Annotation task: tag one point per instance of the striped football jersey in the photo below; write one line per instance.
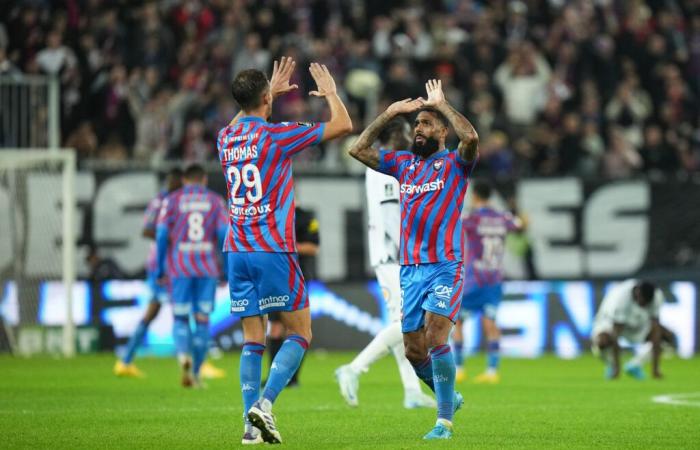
(150, 218)
(193, 219)
(431, 196)
(486, 230)
(256, 160)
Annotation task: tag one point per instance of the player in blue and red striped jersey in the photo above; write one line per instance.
(485, 229)
(190, 232)
(432, 181)
(264, 273)
(124, 367)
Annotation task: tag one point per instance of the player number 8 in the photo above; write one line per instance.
(249, 175)
(195, 227)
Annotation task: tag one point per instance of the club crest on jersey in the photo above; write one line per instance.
(437, 165)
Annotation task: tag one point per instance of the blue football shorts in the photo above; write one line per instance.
(265, 282)
(193, 295)
(483, 299)
(435, 287)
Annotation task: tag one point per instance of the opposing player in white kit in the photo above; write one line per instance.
(631, 310)
(384, 224)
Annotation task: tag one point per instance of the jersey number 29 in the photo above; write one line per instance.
(249, 176)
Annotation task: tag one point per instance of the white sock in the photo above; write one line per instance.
(265, 405)
(643, 355)
(378, 348)
(409, 379)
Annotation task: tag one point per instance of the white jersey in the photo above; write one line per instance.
(619, 307)
(384, 218)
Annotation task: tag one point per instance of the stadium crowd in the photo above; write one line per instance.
(593, 88)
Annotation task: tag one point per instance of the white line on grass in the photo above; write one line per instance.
(689, 399)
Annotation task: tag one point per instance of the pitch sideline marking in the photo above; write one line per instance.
(689, 399)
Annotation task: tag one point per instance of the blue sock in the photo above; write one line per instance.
(424, 370)
(251, 371)
(458, 348)
(493, 356)
(200, 345)
(181, 333)
(444, 379)
(284, 365)
(135, 342)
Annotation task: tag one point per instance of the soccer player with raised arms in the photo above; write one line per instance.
(384, 223)
(191, 228)
(433, 181)
(264, 273)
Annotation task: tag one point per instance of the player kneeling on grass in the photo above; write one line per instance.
(630, 310)
(189, 235)
(485, 229)
(433, 181)
(264, 273)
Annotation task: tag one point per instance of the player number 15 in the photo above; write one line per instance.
(249, 176)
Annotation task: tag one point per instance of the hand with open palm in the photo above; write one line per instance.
(281, 73)
(324, 80)
(436, 97)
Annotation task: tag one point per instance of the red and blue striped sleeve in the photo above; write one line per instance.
(467, 166)
(292, 138)
(150, 217)
(391, 162)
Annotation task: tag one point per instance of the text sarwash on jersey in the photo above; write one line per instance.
(251, 210)
(241, 153)
(422, 188)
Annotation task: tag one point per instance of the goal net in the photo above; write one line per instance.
(37, 251)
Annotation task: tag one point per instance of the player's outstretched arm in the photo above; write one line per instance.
(340, 123)
(468, 137)
(617, 331)
(362, 149)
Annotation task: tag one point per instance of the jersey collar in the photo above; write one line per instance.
(439, 154)
(251, 119)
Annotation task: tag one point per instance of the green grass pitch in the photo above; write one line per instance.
(542, 403)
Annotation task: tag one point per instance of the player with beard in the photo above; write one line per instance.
(433, 181)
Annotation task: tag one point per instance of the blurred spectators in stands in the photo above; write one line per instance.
(577, 87)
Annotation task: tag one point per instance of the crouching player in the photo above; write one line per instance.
(189, 236)
(631, 310)
(485, 229)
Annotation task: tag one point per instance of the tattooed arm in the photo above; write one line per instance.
(362, 149)
(468, 138)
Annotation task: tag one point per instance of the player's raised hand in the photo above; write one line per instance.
(281, 73)
(435, 95)
(405, 106)
(324, 80)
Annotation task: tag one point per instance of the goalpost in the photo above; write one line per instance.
(37, 246)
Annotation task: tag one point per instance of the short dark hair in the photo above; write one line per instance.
(194, 172)
(482, 189)
(395, 125)
(440, 116)
(646, 292)
(248, 87)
